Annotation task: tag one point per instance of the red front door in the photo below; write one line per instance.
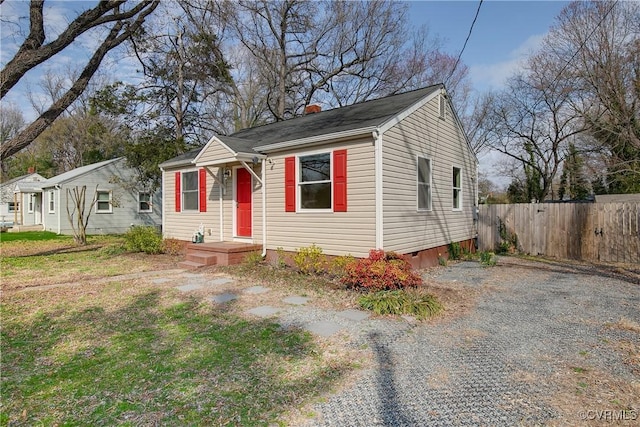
(243, 203)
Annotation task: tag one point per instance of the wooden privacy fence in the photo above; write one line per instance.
(608, 232)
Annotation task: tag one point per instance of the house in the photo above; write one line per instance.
(13, 201)
(395, 173)
(120, 203)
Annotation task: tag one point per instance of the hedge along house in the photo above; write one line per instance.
(395, 173)
(119, 201)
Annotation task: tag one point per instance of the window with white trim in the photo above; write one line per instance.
(190, 191)
(424, 184)
(457, 188)
(103, 202)
(144, 202)
(314, 181)
(32, 200)
(14, 207)
(52, 202)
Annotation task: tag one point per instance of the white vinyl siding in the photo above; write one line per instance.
(423, 134)
(337, 233)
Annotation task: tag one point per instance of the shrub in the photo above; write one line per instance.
(380, 271)
(143, 239)
(252, 259)
(339, 264)
(455, 250)
(173, 246)
(112, 250)
(281, 262)
(487, 258)
(310, 260)
(401, 302)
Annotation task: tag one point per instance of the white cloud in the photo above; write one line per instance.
(494, 76)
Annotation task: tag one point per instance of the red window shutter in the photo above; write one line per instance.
(178, 193)
(340, 181)
(202, 189)
(290, 184)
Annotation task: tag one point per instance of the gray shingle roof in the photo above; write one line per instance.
(352, 117)
(63, 177)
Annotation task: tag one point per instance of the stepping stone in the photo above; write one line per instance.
(264, 311)
(192, 275)
(257, 290)
(221, 281)
(222, 298)
(324, 329)
(189, 287)
(296, 300)
(352, 314)
(160, 281)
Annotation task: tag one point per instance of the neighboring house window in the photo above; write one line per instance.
(424, 184)
(190, 191)
(442, 105)
(315, 181)
(14, 206)
(31, 203)
(52, 202)
(144, 202)
(457, 188)
(103, 202)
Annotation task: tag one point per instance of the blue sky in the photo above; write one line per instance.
(504, 31)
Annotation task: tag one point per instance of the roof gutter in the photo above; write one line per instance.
(318, 139)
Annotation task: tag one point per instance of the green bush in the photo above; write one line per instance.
(310, 260)
(401, 302)
(338, 265)
(252, 259)
(487, 258)
(380, 271)
(455, 250)
(145, 239)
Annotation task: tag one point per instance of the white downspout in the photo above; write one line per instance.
(377, 136)
(264, 208)
(222, 183)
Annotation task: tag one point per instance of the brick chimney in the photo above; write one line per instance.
(312, 108)
(31, 170)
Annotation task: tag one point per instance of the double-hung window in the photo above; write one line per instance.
(144, 202)
(52, 202)
(14, 207)
(190, 191)
(315, 181)
(103, 202)
(457, 188)
(32, 199)
(424, 184)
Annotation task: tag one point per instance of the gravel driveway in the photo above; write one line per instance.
(543, 345)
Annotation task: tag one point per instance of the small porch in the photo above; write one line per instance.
(216, 253)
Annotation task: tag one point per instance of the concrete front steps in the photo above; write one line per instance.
(216, 253)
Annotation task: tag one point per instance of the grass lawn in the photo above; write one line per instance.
(134, 353)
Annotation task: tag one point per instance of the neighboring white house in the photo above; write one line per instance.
(120, 202)
(395, 173)
(18, 207)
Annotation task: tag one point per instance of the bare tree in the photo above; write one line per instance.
(112, 15)
(78, 212)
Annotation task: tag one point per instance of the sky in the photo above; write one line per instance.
(504, 32)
